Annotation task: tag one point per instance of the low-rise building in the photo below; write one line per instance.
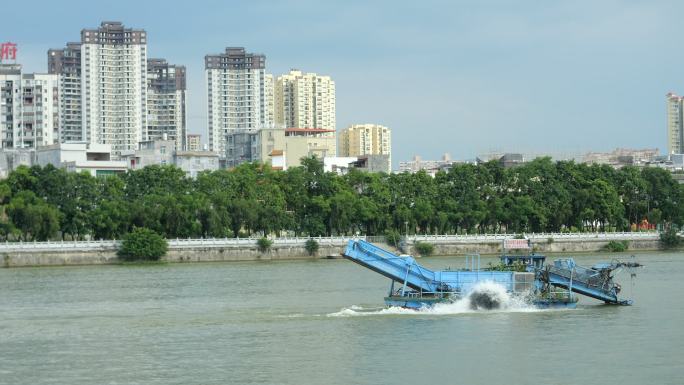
(77, 157)
(253, 145)
(194, 162)
(288, 146)
(429, 166)
(163, 152)
(366, 139)
(339, 164)
(622, 157)
(278, 161)
(305, 142)
(151, 152)
(373, 163)
(11, 159)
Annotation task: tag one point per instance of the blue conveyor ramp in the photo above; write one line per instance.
(405, 270)
(397, 268)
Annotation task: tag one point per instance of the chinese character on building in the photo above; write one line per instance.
(8, 51)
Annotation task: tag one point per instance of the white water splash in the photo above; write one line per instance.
(488, 291)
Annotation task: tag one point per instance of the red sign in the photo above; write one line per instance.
(512, 244)
(8, 51)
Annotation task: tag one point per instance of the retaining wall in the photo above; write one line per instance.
(249, 252)
(558, 246)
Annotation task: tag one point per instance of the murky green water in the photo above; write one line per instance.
(280, 323)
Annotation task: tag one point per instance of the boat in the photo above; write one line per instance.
(525, 276)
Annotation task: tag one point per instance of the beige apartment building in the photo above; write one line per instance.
(304, 100)
(366, 139)
(194, 142)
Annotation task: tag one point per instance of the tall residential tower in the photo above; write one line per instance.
(104, 85)
(166, 103)
(304, 101)
(114, 85)
(110, 93)
(66, 63)
(29, 105)
(236, 94)
(675, 124)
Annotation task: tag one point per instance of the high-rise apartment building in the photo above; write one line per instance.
(66, 63)
(110, 93)
(269, 101)
(236, 94)
(675, 124)
(365, 139)
(166, 103)
(304, 101)
(29, 105)
(112, 68)
(114, 85)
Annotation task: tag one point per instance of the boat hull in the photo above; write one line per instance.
(418, 303)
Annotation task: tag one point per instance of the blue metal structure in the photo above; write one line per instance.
(595, 282)
(420, 286)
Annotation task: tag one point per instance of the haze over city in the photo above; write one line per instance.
(461, 77)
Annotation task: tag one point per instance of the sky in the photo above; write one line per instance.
(458, 77)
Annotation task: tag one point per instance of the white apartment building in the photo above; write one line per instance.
(304, 101)
(365, 139)
(112, 94)
(79, 157)
(29, 108)
(236, 94)
(166, 103)
(114, 85)
(675, 124)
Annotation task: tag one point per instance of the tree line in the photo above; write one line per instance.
(540, 196)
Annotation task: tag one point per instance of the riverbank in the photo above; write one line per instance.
(232, 250)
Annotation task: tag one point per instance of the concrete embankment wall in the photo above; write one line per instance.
(557, 246)
(292, 252)
(196, 254)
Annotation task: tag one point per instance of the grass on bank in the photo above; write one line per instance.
(617, 246)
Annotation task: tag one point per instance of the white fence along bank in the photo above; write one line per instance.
(204, 243)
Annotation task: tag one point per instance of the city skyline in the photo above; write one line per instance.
(479, 77)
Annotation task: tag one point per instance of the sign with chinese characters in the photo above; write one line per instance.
(8, 51)
(516, 244)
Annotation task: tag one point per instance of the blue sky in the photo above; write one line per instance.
(464, 77)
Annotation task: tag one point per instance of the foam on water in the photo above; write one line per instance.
(478, 300)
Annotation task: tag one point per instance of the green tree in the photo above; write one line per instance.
(142, 244)
(35, 219)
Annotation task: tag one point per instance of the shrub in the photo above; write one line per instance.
(392, 237)
(311, 247)
(549, 240)
(617, 246)
(670, 239)
(142, 244)
(424, 249)
(264, 244)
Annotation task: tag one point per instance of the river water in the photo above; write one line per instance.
(321, 322)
